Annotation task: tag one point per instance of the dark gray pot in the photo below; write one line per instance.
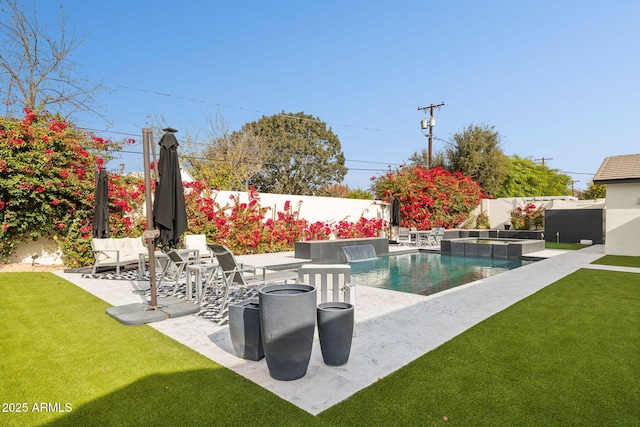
(335, 328)
(244, 328)
(287, 323)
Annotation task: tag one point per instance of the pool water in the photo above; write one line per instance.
(425, 273)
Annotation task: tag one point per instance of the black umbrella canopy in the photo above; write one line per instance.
(101, 208)
(395, 212)
(169, 211)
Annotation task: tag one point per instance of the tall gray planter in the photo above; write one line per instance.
(287, 323)
(335, 328)
(244, 328)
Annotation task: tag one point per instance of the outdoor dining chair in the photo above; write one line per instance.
(199, 242)
(237, 275)
(177, 267)
(404, 236)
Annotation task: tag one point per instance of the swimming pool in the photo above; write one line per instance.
(426, 273)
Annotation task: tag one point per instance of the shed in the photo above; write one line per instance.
(621, 175)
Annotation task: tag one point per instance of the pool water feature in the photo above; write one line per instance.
(359, 252)
(424, 273)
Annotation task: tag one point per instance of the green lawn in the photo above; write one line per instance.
(619, 260)
(568, 355)
(565, 246)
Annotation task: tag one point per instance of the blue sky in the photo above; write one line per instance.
(559, 80)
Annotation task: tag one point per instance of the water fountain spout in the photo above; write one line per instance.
(359, 252)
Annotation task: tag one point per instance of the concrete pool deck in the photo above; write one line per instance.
(392, 328)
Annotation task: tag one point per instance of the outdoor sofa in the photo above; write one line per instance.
(117, 252)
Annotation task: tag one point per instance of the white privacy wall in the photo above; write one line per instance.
(312, 208)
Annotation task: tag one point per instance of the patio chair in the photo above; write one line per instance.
(235, 274)
(333, 282)
(198, 241)
(431, 237)
(173, 269)
(404, 236)
(177, 266)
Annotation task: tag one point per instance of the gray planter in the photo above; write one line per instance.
(287, 323)
(335, 328)
(244, 328)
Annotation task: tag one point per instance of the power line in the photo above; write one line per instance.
(255, 162)
(251, 110)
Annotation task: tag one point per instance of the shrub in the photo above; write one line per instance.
(482, 221)
(47, 189)
(525, 218)
(433, 198)
(46, 186)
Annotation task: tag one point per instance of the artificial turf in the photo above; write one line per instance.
(567, 355)
(619, 261)
(564, 246)
(65, 362)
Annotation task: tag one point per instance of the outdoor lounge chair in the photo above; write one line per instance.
(235, 274)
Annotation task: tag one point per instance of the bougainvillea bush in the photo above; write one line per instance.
(47, 177)
(523, 218)
(47, 189)
(430, 198)
(242, 226)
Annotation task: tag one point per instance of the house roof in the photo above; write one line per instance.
(619, 169)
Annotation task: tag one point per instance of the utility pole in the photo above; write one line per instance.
(424, 124)
(573, 191)
(543, 159)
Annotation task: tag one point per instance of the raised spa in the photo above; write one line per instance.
(490, 247)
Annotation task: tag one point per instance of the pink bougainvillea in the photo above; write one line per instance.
(430, 198)
(47, 185)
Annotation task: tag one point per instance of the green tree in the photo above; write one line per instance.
(476, 152)
(421, 158)
(360, 194)
(528, 179)
(36, 69)
(594, 191)
(301, 155)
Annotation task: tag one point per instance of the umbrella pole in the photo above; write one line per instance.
(149, 234)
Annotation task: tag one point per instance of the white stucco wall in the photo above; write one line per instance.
(622, 219)
(311, 208)
(326, 209)
(42, 251)
(498, 210)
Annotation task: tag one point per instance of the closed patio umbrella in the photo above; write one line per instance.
(395, 212)
(169, 211)
(101, 207)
